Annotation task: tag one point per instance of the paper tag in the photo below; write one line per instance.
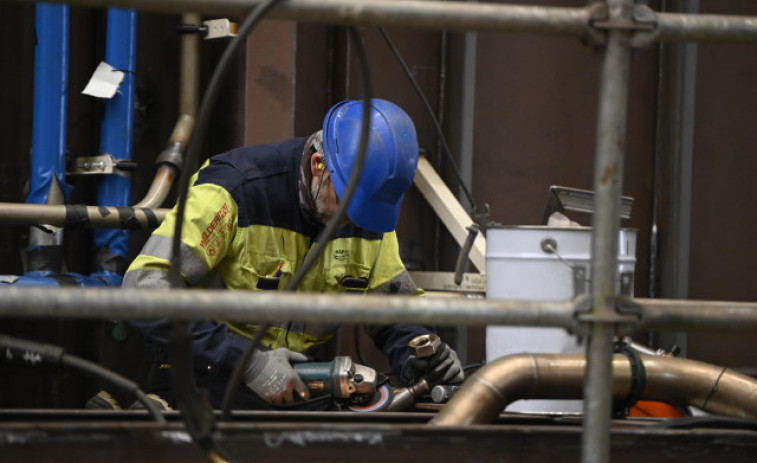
(104, 82)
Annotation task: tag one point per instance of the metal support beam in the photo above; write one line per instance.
(194, 304)
(416, 14)
(608, 184)
(669, 278)
(449, 210)
(456, 16)
(269, 306)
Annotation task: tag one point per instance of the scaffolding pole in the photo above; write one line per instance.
(608, 185)
(194, 304)
(461, 16)
(618, 25)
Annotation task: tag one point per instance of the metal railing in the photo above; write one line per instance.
(617, 26)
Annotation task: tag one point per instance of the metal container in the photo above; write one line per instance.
(545, 263)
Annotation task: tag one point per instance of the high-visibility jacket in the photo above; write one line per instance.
(244, 226)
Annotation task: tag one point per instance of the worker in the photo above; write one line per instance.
(252, 215)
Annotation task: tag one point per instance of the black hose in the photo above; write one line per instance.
(331, 226)
(32, 352)
(194, 412)
(442, 140)
(462, 257)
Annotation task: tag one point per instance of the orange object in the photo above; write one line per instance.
(655, 409)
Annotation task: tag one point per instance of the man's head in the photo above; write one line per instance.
(322, 191)
(390, 163)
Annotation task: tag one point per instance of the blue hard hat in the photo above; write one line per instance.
(390, 163)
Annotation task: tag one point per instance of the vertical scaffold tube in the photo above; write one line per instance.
(608, 184)
(112, 246)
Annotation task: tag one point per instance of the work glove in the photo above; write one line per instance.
(271, 376)
(441, 368)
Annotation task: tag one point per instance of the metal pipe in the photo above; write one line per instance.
(192, 304)
(673, 165)
(50, 102)
(689, 315)
(543, 376)
(75, 216)
(417, 14)
(170, 162)
(118, 126)
(608, 185)
(677, 27)
(48, 154)
(453, 16)
(189, 75)
(159, 188)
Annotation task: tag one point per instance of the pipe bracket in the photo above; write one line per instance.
(101, 165)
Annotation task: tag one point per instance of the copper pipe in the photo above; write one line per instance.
(171, 160)
(159, 188)
(189, 77)
(529, 376)
(169, 163)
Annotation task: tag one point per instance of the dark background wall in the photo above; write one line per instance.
(534, 126)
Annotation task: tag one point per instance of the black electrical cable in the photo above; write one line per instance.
(196, 418)
(323, 238)
(358, 349)
(33, 352)
(445, 148)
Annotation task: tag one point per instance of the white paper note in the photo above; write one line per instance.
(104, 82)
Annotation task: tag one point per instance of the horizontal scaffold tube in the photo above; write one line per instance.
(550, 376)
(674, 27)
(75, 216)
(418, 14)
(271, 306)
(454, 16)
(189, 304)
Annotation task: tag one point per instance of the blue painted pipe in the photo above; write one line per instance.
(118, 124)
(50, 102)
(53, 279)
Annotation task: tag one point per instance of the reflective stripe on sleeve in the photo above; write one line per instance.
(144, 278)
(192, 267)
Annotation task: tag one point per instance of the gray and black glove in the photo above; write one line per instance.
(441, 368)
(271, 376)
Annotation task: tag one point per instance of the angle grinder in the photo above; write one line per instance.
(358, 387)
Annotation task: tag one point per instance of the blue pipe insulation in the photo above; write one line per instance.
(47, 184)
(53, 279)
(116, 136)
(50, 102)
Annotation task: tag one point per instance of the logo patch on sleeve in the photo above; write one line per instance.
(220, 225)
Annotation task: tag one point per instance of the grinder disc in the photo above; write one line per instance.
(380, 400)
